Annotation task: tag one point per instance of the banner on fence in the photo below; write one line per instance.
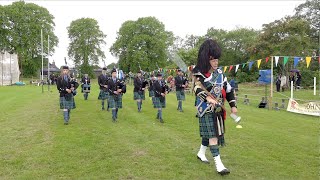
(310, 108)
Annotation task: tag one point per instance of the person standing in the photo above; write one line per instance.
(160, 92)
(212, 88)
(283, 82)
(278, 82)
(298, 82)
(67, 89)
(151, 88)
(138, 90)
(85, 84)
(181, 83)
(292, 79)
(103, 84)
(116, 89)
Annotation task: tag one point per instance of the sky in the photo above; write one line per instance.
(181, 17)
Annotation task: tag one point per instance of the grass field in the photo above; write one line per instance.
(35, 144)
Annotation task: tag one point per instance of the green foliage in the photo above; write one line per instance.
(247, 77)
(86, 40)
(22, 24)
(143, 42)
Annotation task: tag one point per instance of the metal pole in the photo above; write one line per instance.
(2, 68)
(291, 97)
(271, 85)
(10, 71)
(42, 60)
(314, 85)
(48, 66)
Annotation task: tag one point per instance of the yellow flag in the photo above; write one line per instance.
(308, 59)
(259, 62)
(225, 68)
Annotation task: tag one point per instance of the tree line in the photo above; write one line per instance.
(145, 43)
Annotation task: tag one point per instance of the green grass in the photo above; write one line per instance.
(35, 144)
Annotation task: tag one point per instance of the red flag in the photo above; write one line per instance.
(230, 68)
(267, 59)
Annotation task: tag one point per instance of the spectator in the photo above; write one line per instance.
(298, 82)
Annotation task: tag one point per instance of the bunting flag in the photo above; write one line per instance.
(237, 66)
(250, 64)
(267, 59)
(259, 62)
(295, 61)
(276, 59)
(243, 65)
(230, 68)
(285, 60)
(225, 68)
(308, 59)
(160, 69)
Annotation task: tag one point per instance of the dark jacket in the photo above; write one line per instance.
(179, 81)
(83, 80)
(103, 80)
(159, 89)
(114, 86)
(138, 83)
(63, 85)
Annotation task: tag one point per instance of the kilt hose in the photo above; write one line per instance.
(212, 125)
(180, 95)
(137, 95)
(115, 101)
(159, 102)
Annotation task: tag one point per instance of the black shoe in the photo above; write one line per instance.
(206, 162)
(181, 110)
(113, 119)
(224, 172)
(102, 108)
(161, 120)
(66, 123)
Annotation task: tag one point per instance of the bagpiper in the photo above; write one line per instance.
(181, 83)
(85, 86)
(160, 92)
(103, 84)
(212, 88)
(67, 90)
(116, 89)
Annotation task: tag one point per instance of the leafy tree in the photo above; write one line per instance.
(310, 11)
(86, 40)
(143, 42)
(23, 23)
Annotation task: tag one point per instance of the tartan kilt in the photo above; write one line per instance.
(151, 93)
(180, 95)
(159, 104)
(212, 125)
(64, 104)
(115, 102)
(137, 96)
(103, 95)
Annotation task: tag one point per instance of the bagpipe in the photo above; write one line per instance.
(74, 85)
(85, 87)
(121, 84)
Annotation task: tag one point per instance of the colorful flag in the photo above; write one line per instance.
(237, 66)
(285, 60)
(250, 64)
(276, 59)
(259, 62)
(225, 68)
(295, 61)
(308, 60)
(230, 68)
